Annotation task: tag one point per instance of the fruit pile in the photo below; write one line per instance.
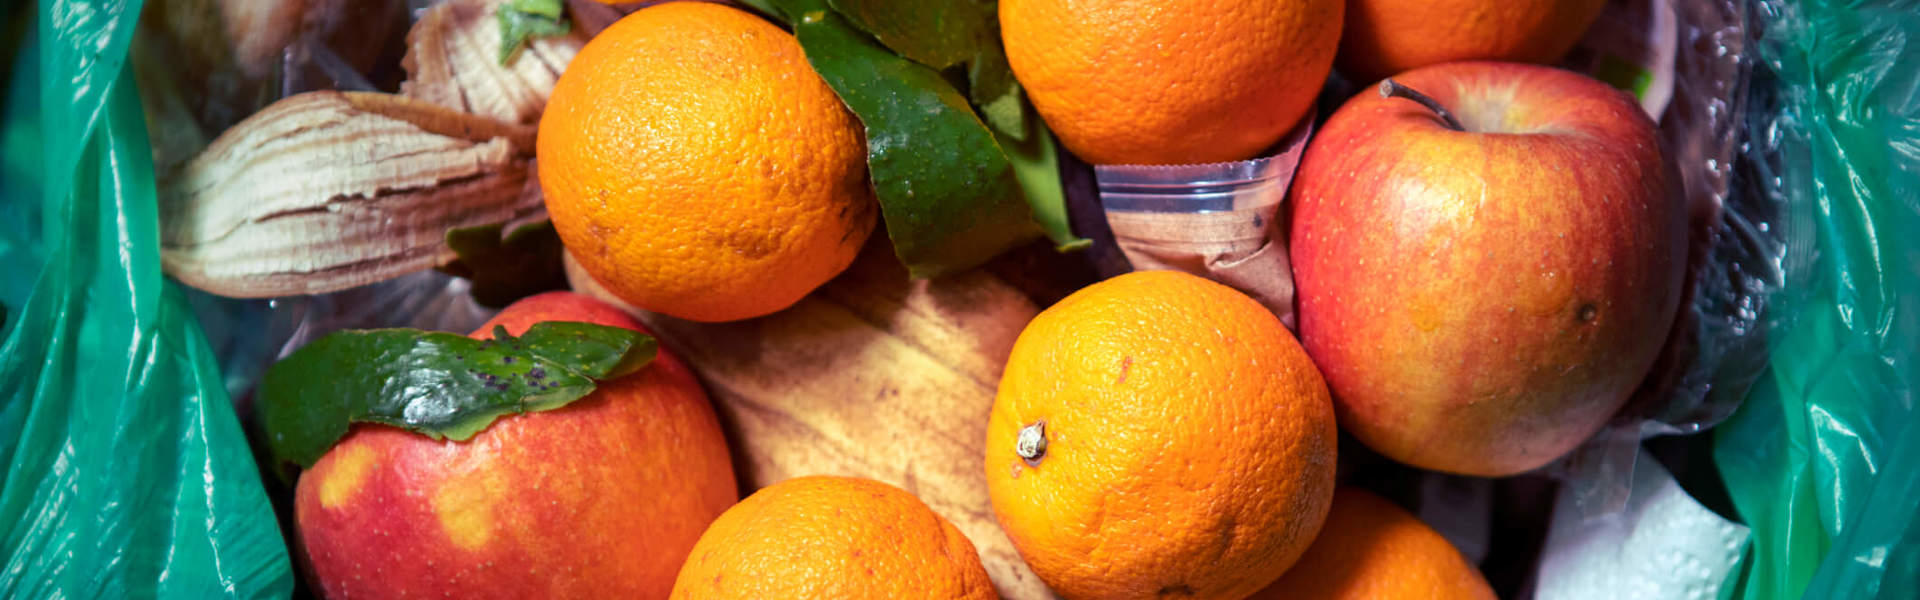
(1489, 255)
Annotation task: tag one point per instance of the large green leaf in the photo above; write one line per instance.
(439, 384)
(946, 190)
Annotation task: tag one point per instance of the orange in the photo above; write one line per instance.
(1170, 81)
(1387, 37)
(601, 498)
(833, 537)
(1177, 442)
(1373, 550)
(696, 166)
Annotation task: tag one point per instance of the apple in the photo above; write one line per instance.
(601, 498)
(1489, 257)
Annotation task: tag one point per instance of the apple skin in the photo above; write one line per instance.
(602, 498)
(1483, 301)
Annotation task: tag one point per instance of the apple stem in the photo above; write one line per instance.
(1393, 89)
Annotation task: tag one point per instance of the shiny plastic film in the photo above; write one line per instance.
(1823, 459)
(126, 474)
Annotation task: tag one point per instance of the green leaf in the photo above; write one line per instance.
(936, 33)
(946, 190)
(943, 34)
(1036, 163)
(438, 384)
(504, 269)
(521, 20)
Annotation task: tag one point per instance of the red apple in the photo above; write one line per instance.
(601, 498)
(1483, 296)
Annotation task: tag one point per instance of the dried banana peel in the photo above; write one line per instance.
(873, 375)
(452, 60)
(329, 190)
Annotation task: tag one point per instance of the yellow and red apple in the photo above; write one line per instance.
(601, 498)
(1484, 288)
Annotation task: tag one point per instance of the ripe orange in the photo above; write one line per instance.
(1387, 37)
(1170, 81)
(1178, 442)
(696, 166)
(1371, 549)
(833, 537)
(601, 498)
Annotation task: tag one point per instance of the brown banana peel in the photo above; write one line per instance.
(324, 191)
(873, 375)
(453, 56)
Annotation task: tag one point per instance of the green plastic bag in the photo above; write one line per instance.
(1823, 460)
(126, 473)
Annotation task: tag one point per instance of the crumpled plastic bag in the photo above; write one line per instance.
(1823, 459)
(1717, 349)
(125, 472)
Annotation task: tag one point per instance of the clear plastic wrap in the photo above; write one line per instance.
(1216, 220)
(1718, 347)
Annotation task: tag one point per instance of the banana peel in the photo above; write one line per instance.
(324, 191)
(872, 375)
(453, 56)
